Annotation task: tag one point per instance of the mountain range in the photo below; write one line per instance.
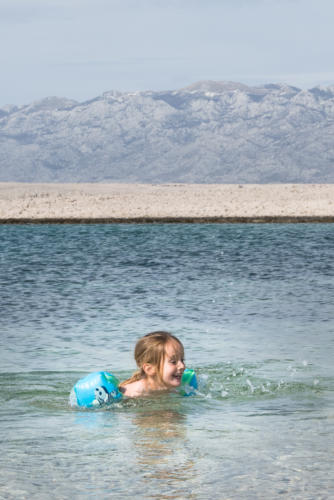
(208, 132)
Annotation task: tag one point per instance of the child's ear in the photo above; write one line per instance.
(149, 369)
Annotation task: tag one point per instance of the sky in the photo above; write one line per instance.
(81, 48)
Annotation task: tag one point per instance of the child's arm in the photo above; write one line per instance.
(133, 390)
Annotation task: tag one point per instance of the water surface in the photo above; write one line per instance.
(253, 305)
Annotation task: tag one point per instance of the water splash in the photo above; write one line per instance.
(233, 382)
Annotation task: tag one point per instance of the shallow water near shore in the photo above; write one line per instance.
(253, 305)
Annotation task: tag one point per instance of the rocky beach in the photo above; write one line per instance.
(95, 202)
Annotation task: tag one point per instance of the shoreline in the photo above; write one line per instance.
(175, 220)
(41, 203)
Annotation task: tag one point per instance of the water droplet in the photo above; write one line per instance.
(252, 388)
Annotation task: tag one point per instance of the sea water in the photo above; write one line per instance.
(253, 305)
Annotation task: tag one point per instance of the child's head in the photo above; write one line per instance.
(160, 355)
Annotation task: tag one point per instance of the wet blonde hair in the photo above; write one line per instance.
(151, 349)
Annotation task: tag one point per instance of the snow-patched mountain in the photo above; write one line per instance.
(210, 132)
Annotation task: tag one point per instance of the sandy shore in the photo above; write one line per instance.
(23, 202)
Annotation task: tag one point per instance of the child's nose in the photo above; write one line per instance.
(181, 364)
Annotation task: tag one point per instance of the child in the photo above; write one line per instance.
(160, 360)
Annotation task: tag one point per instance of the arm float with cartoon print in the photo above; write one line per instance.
(102, 389)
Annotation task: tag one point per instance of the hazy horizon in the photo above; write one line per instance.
(134, 91)
(79, 49)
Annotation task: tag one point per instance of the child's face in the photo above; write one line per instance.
(173, 365)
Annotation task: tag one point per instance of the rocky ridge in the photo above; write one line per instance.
(209, 132)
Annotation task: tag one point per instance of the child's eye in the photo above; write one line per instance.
(174, 361)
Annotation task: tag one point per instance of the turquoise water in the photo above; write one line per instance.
(253, 305)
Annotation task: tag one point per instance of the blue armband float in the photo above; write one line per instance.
(95, 390)
(188, 383)
(100, 389)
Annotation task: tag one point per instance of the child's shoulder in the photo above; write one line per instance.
(134, 389)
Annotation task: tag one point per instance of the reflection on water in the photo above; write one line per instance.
(159, 434)
(161, 450)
